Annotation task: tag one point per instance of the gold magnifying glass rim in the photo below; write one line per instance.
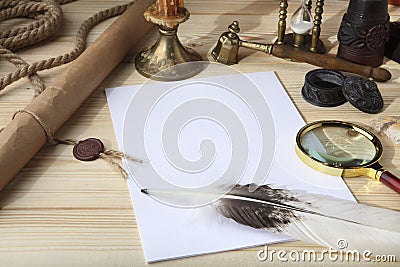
(330, 168)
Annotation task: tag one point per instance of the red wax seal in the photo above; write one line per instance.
(88, 149)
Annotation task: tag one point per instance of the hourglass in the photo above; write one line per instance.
(302, 23)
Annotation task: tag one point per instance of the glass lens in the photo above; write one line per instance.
(338, 146)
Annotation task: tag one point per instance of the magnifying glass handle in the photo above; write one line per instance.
(390, 180)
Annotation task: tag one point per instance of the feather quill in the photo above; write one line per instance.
(311, 218)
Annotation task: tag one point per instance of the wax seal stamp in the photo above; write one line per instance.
(88, 149)
(363, 94)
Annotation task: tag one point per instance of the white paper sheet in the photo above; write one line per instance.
(169, 232)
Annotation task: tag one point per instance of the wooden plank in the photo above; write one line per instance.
(61, 212)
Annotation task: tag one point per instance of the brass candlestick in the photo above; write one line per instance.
(167, 51)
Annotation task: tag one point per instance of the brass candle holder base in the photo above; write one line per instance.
(168, 51)
(303, 42)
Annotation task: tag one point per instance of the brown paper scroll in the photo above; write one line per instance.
(23, 137)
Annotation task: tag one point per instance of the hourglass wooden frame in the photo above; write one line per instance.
(306, 42)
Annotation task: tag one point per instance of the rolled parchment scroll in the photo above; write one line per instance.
(23, 137)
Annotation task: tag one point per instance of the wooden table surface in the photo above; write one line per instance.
(62, 212)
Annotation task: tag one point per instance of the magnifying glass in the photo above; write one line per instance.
(343, 149)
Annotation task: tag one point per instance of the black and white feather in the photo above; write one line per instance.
(313, 218)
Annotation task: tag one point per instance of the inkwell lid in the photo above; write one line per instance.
(363, 94)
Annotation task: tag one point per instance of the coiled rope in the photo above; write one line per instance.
(47, 19)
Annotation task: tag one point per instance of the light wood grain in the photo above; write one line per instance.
(61, 212)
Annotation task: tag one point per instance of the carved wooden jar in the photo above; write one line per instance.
(363, 32)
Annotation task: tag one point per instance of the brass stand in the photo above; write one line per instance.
(316, 31)
(282, 21)
(305, 42)
(168, 51)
